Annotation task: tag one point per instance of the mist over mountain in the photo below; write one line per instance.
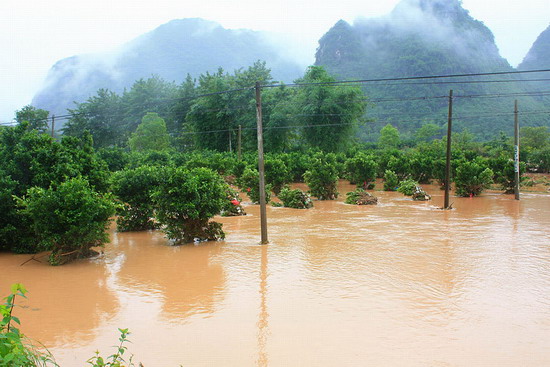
(171, 51)
(538, 56)
(422, 38)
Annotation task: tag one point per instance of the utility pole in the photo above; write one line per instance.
(53, 124)
(516, 151)
(263, 211)
(230, 147)
(448, 163)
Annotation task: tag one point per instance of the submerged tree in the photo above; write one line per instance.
(185, 202)
(68, 220)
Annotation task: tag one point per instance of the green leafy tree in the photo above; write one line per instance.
(134, 188)
(361, 169)
(68, 220)
(276, 173)
(428, 132)
(150, 135)
(36, 118)
(472, 177)
(329, 114)
(101, 115)
(185, 202)
(389, 137)
(146, 95)
(322, 177)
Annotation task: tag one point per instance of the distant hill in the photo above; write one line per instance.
(171, 51)
(538, 56)
(422, 38)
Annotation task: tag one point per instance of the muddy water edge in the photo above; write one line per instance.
(398, 284)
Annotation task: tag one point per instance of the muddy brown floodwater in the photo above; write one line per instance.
(397, 284)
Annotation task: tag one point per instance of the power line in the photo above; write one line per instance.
(361, 81)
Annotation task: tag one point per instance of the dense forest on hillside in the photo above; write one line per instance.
(423, 38)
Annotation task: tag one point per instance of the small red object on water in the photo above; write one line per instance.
(235, 202)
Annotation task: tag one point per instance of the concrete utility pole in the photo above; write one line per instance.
(516, 151)
(263, 211)
(448, 164)
(53, 124)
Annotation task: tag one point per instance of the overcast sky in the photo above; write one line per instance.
(34, 34)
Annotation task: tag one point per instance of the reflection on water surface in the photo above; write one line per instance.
(398, 284)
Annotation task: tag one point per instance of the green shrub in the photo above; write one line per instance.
(249, 183)
(322, 177)
(407, 187)
(276, 174)
(295, 198)
(361, 197)
(68, 220)
(232, 206)
(186, 200)
(472, 178)
(15, 348)
(391, 181)
(134, 188)
(361, 169)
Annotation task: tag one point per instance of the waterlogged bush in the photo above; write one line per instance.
(505, 173)
(276, 174)
(134, 187)
(322, 177)
(421, 167)
(68, 220)
(186, 200)
(15, 349)
(407, 187)
(295, 198)
(391, 181)
(249, 183)
(361, 169)
(472, 178)
(420, 195)
(232, 206)
(361, 197)
(297, 165)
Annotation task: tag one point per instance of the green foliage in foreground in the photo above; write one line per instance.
(186, 200)
(15, 349)
(296, 198)
(116, 359)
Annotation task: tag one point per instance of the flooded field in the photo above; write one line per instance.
(397, 284)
